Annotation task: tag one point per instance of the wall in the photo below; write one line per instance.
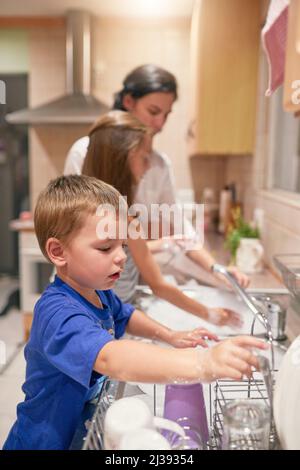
(48, 145)
(118, 46)
(217, 171)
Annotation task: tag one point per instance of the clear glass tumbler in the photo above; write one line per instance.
(246, 425)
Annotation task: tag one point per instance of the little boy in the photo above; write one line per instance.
(79, 319)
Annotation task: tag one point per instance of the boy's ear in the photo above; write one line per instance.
(56, 252)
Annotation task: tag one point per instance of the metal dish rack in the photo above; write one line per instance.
(112, 390)
(289, 266)
(225, 391)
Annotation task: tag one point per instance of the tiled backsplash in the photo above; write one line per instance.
(48, 149)
(217, 171)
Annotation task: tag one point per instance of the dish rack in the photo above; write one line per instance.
(256, 388)
(289, 266)
(112, 390)
(225, 391)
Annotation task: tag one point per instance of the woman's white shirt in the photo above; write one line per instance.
(156, 187)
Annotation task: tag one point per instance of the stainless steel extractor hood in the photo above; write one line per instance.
(77, 106)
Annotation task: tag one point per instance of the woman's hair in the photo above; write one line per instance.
(111, 139)
(144, 80)
(62, 207)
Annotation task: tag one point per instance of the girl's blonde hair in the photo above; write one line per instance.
(111, 139)
(64, 204)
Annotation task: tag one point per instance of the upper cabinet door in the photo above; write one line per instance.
(291, 91)
(225, 38)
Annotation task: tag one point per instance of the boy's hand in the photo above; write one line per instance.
(224, 316)
(191, 339)
(231, 358)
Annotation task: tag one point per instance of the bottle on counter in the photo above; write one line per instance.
(225, 208)
(210, 209)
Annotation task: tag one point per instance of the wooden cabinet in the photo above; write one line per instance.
(291, 90)
(225, 37)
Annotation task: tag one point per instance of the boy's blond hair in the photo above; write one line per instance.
(64, 204)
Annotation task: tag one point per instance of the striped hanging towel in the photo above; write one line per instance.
(274, 41)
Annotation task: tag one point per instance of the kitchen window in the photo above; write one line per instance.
(284, 147)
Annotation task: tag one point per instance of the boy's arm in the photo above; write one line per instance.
(129, 360)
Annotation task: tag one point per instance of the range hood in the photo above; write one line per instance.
(77, 106)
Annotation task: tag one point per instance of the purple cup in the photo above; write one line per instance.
(185, 405)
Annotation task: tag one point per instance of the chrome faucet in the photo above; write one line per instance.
(260, 314)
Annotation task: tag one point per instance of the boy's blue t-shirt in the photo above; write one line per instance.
(66, 336)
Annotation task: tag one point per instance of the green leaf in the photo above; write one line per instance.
(241, 230)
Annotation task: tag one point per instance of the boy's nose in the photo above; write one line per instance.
(120, 257)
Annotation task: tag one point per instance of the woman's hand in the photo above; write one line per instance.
(191, 339)
(224, 316)
(242, 279)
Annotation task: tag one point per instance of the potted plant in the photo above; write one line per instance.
(249, 259)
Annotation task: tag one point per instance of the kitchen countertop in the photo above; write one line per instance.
(19, 225)
(184, 269)
(266, 279)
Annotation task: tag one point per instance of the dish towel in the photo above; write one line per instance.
(185, 405)
(273, 37)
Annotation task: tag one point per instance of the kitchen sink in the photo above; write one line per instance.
(177, 319)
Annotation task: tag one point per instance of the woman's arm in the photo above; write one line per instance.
(202, 257)
(151, 273)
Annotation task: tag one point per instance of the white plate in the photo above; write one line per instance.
(287, 398)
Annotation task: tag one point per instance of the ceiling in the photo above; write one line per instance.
(124, 8)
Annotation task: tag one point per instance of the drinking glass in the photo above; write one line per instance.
(246, 425)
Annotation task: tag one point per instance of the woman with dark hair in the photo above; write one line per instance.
(149, 93)
(143, 81)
